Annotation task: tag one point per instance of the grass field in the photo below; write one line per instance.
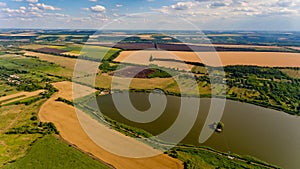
(201, 159)
(68, 63)
(295, 73)
(50, 152)
(19, 96)
(14, 146)
(33, 65)
(104, 81)
(6, 89)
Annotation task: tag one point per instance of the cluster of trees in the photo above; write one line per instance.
(220, 127)
(276, 89)
(27, 101)
(157, 38)
(263, 86)
(110, 56)
(50, 90)
(159, 73)
(59, 99)
(260, 72)
(42, 128)
(106, 67)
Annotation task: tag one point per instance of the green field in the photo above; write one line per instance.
(6, 89)
(14, 146)
(29, 74)
(26, 64)
(50, 152)
(202, 159)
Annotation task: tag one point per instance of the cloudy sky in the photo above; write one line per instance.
(152, 14)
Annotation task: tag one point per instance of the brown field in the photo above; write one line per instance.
(240, 46)
(66, 120)
(143, 58)
(296, 48)
(105, 81)
(38, 46)
(146, 37)
(271, 59)
(221, 35)
(109, 44)
(71, 53)
(19, 34)
(33, 46)
(21, 95)
(51, 50)
(134, 71)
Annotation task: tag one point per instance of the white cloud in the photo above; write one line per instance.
(43, 6)
(32, 1)
(287, 3)
(119, 5)
(115, 15)
(182, 5)
(12, 11)
(23, 8)
(209, 14)
(85, 9)
(98, 8)
(34, 8)
(2, 4)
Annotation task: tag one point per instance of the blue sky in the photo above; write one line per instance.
(152, 14)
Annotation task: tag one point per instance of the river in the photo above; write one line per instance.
(266, 134)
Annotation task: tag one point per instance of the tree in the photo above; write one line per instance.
(151, 58)
(220, 127)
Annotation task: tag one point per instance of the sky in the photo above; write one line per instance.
(151, 14)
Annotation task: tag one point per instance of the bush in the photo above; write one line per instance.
(65, 101)
(106, 67)
(33, 118)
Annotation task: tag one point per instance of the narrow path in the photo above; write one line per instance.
(18, 96)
